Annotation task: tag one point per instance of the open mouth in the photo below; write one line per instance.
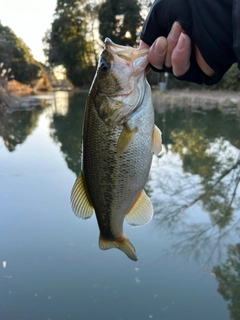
(125, 52)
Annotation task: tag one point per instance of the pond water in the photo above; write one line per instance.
(189, 255)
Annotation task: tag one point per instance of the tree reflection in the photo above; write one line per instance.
(199, 168)
(16, 126)
(194, 187)
(228, 277)
(191, 144)
(210, 165)
(67, 129)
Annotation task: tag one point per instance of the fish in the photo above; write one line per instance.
(118, 141)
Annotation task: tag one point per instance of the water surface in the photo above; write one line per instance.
(189, 255)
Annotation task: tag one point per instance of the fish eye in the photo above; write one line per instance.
(104, 66)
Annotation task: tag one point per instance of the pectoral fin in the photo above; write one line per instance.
(156, 140)
(124, 244)
(80, 203)
(125, 139)
(141, 212)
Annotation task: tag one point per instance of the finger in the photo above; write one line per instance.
(172, 41)
(157, 52)
(203, 64)
(181, 55)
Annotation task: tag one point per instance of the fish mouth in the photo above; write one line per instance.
(126, 52)
(134, 61)
(117, 48)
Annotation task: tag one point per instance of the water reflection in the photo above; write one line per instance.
(228, 277)
(200, 166)
(16, 126)
(66, 127)
(194, 184)
(195, 189)
(198, 173)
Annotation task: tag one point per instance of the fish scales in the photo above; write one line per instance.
(113, 173)
(119, 138)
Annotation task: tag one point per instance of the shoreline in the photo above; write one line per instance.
(202, 99)
(169, 99)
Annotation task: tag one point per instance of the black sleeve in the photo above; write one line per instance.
(209, 23)
(236, 29)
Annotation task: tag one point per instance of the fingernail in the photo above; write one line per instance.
(175, 32)
(181, 42)
(159, 47)
(157, 53)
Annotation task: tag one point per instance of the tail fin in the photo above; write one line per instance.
(124, 245)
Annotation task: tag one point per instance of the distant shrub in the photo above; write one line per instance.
(230, 81)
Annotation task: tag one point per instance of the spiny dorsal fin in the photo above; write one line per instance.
(141, 212)
(125, 139)
(156, 140)
(124, 245)
(81, 206)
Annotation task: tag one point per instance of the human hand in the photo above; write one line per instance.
(175, 51)
(185, 38)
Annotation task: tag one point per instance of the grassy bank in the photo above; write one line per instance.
(221, 100)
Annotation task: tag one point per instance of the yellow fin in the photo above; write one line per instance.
(156, 140)
(125, 139)
(124, 245)
(79, 200)
(141, 212)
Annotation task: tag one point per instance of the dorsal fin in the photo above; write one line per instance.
(80, 203)
(141, 212)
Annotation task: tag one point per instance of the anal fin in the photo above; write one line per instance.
(141, 212)
(80, 203)
(156, 140)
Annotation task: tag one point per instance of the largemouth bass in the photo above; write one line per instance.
(119, 138)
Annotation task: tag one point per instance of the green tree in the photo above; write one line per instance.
(70, 40)
(15, 55)
(120, 21)
(230, 81)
